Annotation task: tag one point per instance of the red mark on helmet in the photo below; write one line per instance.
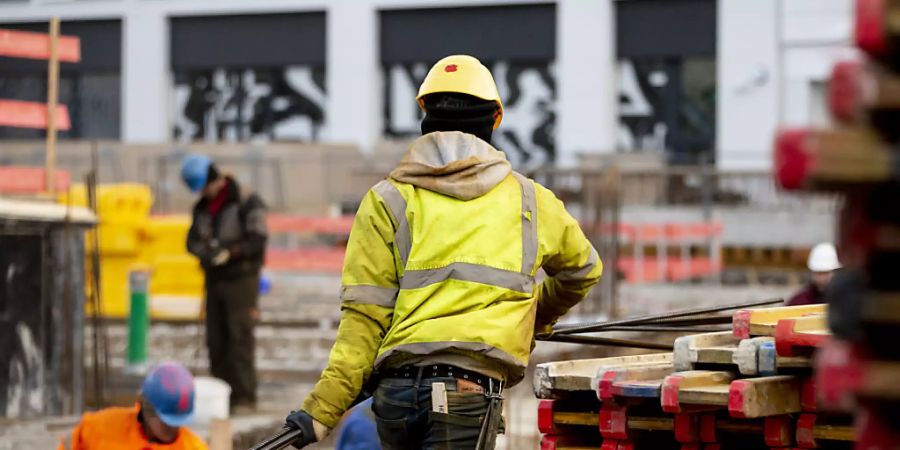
(183, 398)
(450, 68)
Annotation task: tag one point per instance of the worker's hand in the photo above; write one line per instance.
(221, 257)
(312, 431)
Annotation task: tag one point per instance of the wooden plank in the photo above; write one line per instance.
(810, 432)
(687, 349)
(578, 375)
(762, 397)
(52, 100)
(699, 385)
(570, 442)
(30, 45)
(792, 336)
(761, 322)
(575, 418)
(607, 378)
(637, 389)
(19, 114)
(746, 357)
(770, 363)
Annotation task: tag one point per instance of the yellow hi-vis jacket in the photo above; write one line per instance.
(441, 266)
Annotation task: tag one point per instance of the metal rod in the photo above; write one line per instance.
(279, 440)
(690, 321)
(591, 327)
(609, 342)
(687, 329)
(52, 100)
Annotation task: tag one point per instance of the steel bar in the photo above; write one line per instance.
(592, 327)
(664, 329)
(279, 440)
(609, 342)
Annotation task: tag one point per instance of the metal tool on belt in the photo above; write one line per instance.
(489, 428)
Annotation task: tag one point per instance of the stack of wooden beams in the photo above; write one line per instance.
(748, 388)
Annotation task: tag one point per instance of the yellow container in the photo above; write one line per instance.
(166, 236)
(176, 274)
(114, 294)
(122, 203)
(117, 239)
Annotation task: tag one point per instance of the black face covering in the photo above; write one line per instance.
(459, 112)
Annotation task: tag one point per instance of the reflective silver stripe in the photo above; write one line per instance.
(427, 348)
(370, 295)
(397, 204)
(582, 272)
(475, 273)
(67, 441)
(529, 224)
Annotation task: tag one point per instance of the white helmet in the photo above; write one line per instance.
(823, 258)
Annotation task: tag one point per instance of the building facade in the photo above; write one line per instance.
(696, 81)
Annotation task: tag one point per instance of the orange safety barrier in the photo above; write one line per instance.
(29, 180)
(280, 223)
(318, 259)
(15, 113)
(673, 269)
(31, 45)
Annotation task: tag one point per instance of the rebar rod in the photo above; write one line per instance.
(608, 342)
(592, 327)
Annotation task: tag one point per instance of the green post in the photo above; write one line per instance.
(138, 318)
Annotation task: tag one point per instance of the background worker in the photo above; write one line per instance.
(156, 421)
(438, 292)
(228, 236)
(822, 263)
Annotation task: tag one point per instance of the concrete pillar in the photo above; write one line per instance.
(587, 107)
(748, 80)
(145, 76)
(352, 75)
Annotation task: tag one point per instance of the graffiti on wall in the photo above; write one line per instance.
(22, 380)
(529, 100)
(641, 123)
(250, 104)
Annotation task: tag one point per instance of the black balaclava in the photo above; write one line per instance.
(459, 112)
(212, 174)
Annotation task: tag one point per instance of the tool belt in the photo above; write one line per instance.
(490, 385)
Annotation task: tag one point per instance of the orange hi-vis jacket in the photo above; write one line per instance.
(118, 428)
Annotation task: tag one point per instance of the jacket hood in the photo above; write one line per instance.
(452, 163)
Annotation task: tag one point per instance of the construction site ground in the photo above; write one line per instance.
(298, 323)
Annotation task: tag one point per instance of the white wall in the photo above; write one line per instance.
(587, 95)
(774, 58)
(747, 100)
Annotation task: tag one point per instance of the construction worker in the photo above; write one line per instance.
(357, 430)
(439, 295)
(822, 263)
(156, 421)
(228, 236)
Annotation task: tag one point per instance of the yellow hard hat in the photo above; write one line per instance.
(463, 74)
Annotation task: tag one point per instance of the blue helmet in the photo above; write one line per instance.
(170, 389)
(195, 170)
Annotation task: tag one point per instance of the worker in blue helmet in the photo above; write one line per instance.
(156, 421)
(228, 236)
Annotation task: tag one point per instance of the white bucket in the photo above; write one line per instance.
(210, 399)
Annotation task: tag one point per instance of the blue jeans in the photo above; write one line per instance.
(405, 420)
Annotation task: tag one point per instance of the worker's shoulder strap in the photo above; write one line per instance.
(396, 203)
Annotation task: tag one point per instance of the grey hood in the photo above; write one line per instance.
(452, 163)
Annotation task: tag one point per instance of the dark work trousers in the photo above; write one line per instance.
(231, 310)
(405, 420)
